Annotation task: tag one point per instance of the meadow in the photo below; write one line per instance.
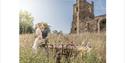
(97, 54)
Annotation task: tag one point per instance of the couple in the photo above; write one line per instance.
(41, 33)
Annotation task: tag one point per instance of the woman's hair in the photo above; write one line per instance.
(41, 25)
(37, 25)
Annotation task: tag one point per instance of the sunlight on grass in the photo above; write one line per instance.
(97, 54)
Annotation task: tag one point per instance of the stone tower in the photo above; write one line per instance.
(82, 11)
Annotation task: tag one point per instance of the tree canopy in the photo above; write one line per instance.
(25, 22)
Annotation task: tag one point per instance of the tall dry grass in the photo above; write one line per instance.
(97, 54)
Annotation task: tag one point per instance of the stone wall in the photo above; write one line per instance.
(84, 19)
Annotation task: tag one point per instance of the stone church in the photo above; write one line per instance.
(84, 19)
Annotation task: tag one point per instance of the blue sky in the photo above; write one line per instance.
(57, 13)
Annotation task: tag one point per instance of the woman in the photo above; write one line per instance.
(38, 36)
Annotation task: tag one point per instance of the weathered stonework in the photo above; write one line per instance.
(84, 19)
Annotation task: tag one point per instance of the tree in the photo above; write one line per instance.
(60, 32)
(25, 22)
(55, 31)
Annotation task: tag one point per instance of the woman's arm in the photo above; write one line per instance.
(38, 33)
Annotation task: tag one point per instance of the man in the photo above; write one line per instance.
(45, 38)
(45, 33)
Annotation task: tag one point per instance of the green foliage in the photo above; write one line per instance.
(25, 22)
(91, 57)
(57, 32)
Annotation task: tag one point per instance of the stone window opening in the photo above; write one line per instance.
(76, 9)
(75, 29)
